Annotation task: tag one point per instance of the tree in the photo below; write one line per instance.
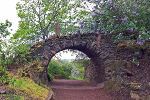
(121, 15)
(38, 18)
(38, 15)
(125, 20)
(4, 32)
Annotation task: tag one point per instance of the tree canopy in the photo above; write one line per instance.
(37, 17)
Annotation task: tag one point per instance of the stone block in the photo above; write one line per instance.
(134, 95)
(135, 86)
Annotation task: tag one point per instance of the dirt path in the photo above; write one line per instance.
(77, 90)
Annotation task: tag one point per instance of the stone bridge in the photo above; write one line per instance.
(99, 47)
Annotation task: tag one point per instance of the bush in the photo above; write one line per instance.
(3, 75)
(79, 66)
(50, 77)
(4, 79)
(59, 69)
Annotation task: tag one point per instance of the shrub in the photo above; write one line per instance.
(59, 69)
(3, 75)
(50, 77)
(4, 78)
(79, 66)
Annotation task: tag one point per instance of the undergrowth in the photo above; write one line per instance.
(26, 88)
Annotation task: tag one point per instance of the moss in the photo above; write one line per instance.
(40, 69)
(129, 64)
(131, 45)
(42, 42)
(46, 57)
(112, 86)
(29, 58)
(135, 86)
(37, 46)
(34, 64)
(117, 65)
(40, 64)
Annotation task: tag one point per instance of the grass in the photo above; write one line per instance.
(27, 87)
(49, 88)
(11, 97)
(75, 78)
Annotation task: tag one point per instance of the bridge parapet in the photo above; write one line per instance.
(65, 28)
(68, 28)
(74, 27)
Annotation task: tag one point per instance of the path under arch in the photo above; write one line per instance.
(77, 90)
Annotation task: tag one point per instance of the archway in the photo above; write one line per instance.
(70, 64)
(86, 43)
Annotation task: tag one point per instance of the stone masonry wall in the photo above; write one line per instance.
(86, 43)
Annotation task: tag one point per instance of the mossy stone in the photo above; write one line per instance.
(117, 65)
(135, 86)
(112, 86)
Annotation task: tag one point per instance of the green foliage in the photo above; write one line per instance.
(11, 50)
(81, 62)
(50, 77)
(3, 75)
(28, 87)
(123, 15)
(4, 78)
(4, 29)
(79, 68)
(11, 97)
(5, 58)
(124, 20)
(59, 69)
(68, 70)
(37, 18)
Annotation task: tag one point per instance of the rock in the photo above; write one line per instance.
(118, 71)
(145, 97)
(118, 65)
(135, 86)
(148, 97)
(129, 64)
(129, 73)
(134, 95)
(112, 86)
(148, 51)
(149, 84)
(2, 92)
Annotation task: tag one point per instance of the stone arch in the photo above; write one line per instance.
(86, 43)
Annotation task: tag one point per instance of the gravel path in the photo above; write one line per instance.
(77, 90)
